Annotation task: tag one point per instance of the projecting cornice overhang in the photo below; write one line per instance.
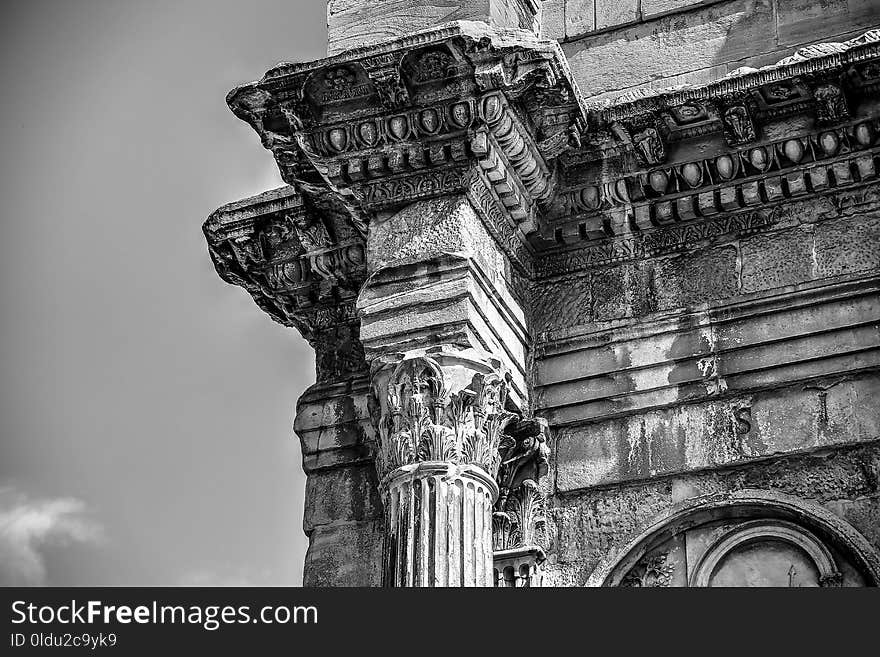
(458, 109)
(715, 157)
(560, 183)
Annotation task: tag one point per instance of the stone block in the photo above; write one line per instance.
(592, 525)
(863, 513)
(580, 17)
(553, 19)
(561, 304)
(341, 495)
(355, 23)
(800, 22)
(696, 278)
(717, 433)
(651, 8)
(334, 425)
(609, 293)
(616, 12)
(666, 47)
(776, 259)
(345, 555)
(848, 245)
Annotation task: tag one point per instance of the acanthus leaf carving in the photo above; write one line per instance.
(520, 512)
(653, 571)
(831, 105)
(739, 128)
(384, 71)
(649, 146)
(422, 420)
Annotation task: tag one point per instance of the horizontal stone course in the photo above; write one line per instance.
(348, 494)
(348, 554)
(592, 525)
(671, 42)
(354, 23)
(714, 434)
(672, 45)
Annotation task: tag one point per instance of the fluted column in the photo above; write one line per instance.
(438, 520)
(438, 457)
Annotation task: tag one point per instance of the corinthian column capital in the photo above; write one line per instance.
(452, 412)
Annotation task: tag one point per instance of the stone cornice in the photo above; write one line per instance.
(560, 184)
(758, 175)
(302, 264)
(386, 125)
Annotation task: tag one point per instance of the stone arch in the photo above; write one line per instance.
(753, 515)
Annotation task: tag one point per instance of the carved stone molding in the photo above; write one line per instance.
(762, 530)
(495, 116)
(756, 137)
(750, 176)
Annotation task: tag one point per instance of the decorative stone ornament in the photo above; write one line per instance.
(831, 105)
(649, 146)
(739, 128)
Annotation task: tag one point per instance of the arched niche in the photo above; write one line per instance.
(747, 538)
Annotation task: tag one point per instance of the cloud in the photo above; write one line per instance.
(27, 526)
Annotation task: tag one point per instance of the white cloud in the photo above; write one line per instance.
(27, 526)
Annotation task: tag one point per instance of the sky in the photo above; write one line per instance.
(146, 407)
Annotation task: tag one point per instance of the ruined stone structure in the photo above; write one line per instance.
(593, 287)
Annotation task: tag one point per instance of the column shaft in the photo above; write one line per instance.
(438, 526)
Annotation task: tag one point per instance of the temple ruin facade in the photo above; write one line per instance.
(593, 288)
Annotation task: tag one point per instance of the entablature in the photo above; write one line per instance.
(560, 184)
(653, 159)
(458, 109)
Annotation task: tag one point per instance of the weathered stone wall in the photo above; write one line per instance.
(343, 520)
(615, 46)
(592, 526)
(695, 372)
(807, 241)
